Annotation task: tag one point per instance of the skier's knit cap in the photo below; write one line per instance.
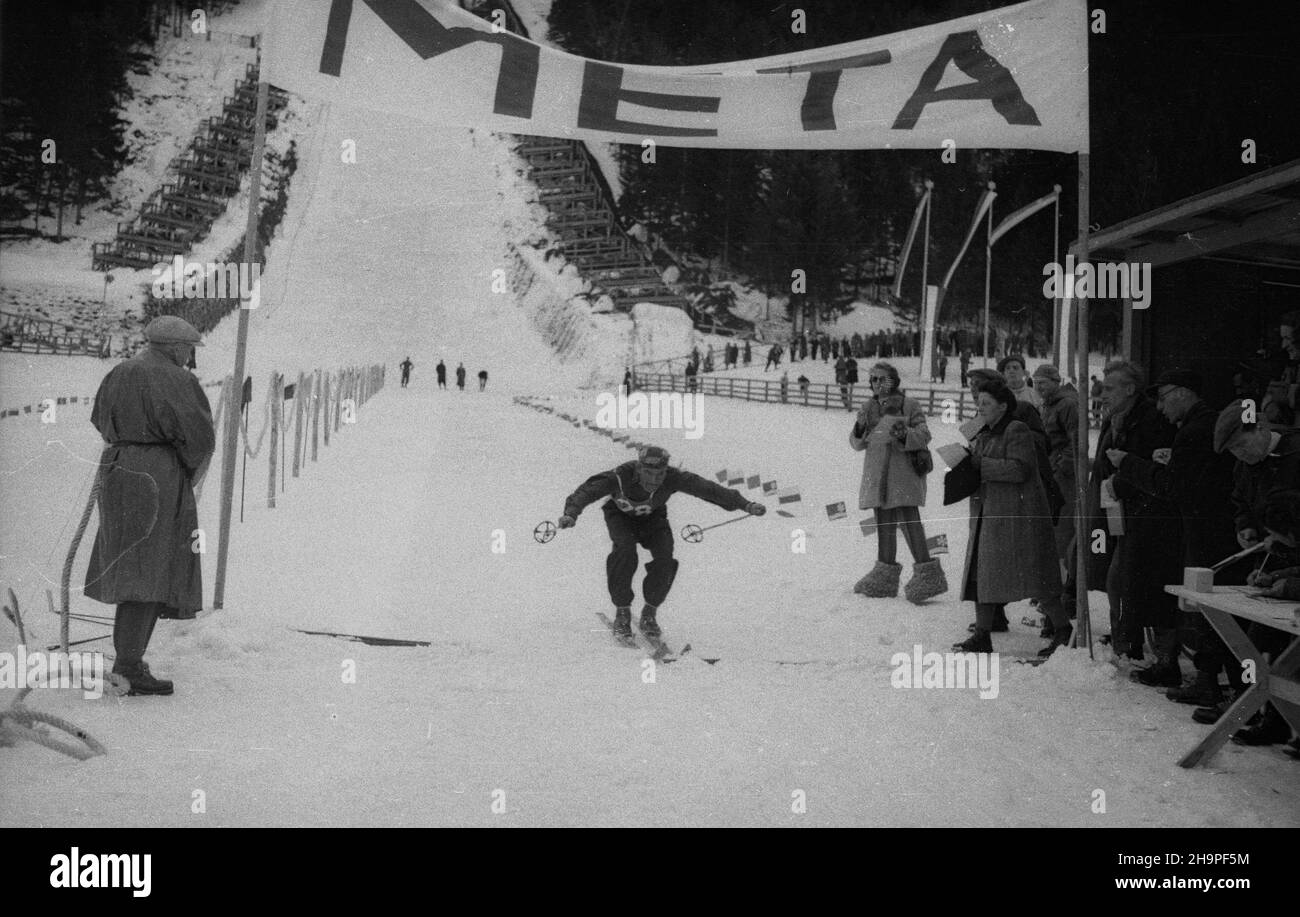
(172, 329)
(1047, 371)
(653, 457)
(1229, 425)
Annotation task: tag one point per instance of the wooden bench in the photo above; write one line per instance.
(1276, 683)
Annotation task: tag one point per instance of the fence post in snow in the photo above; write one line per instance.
(326, 406)
(277, 398)
(315, 412)
(299, 393)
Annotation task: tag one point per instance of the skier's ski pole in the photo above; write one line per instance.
(544, 531)
(695, 534)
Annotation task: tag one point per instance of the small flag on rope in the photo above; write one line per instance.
(721, 476)
(738, 479)
(752, 481)
(937, 544)
(62, 401)
(27, 409)
(621, 438)
(769, 487)
(781, 512)
(74, 399)
(836, 511)
(868, 526)
(788, 495)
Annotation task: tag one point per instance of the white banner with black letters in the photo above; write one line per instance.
(1012, 78)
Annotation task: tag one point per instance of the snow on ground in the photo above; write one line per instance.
(391, 534)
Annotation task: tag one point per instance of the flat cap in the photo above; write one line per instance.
(1229, 425)
(1048, 371)
(172, 329)
(1184, 378)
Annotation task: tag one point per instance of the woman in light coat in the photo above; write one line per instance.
(891, 487)
(1011, 554)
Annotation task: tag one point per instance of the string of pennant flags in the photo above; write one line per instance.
(40, 406)
(788, 497)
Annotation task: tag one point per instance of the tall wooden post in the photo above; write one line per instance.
(1083, 628)
(241, 348)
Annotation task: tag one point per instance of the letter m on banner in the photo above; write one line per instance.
(427, 37)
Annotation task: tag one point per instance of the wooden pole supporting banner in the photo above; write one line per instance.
(241, 348)
(1083, 628)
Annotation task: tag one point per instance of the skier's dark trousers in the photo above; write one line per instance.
(637, 513)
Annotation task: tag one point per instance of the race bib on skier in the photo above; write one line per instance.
(633, 509)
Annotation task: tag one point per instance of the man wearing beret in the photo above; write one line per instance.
(157, 426)
(1198, 481)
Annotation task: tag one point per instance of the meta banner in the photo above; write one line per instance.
(1012, 78)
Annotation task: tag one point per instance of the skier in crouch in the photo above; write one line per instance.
(637, 513)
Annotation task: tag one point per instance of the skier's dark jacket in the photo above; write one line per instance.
(630, 498)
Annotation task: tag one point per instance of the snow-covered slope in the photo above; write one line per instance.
(417, 523)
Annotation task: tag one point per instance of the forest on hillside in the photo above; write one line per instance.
(1172, 98)
(63, 79)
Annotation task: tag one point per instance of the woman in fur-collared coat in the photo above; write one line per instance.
(888, 428)
(1011, 552)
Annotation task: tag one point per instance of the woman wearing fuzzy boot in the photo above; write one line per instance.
(890, 425)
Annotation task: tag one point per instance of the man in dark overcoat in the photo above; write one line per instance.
(157, 425)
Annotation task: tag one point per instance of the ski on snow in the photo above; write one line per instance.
(628, 641)
(659, 650)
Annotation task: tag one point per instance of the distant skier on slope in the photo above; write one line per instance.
(638, 514)
(406, 371)
(442, 374)
(460, 376)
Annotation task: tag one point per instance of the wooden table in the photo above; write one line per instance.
(1276, 683)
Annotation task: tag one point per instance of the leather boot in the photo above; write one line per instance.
(1204, 692)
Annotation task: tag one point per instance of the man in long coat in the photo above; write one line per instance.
(1138, 564)
(1199, 482)
(157, 424)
